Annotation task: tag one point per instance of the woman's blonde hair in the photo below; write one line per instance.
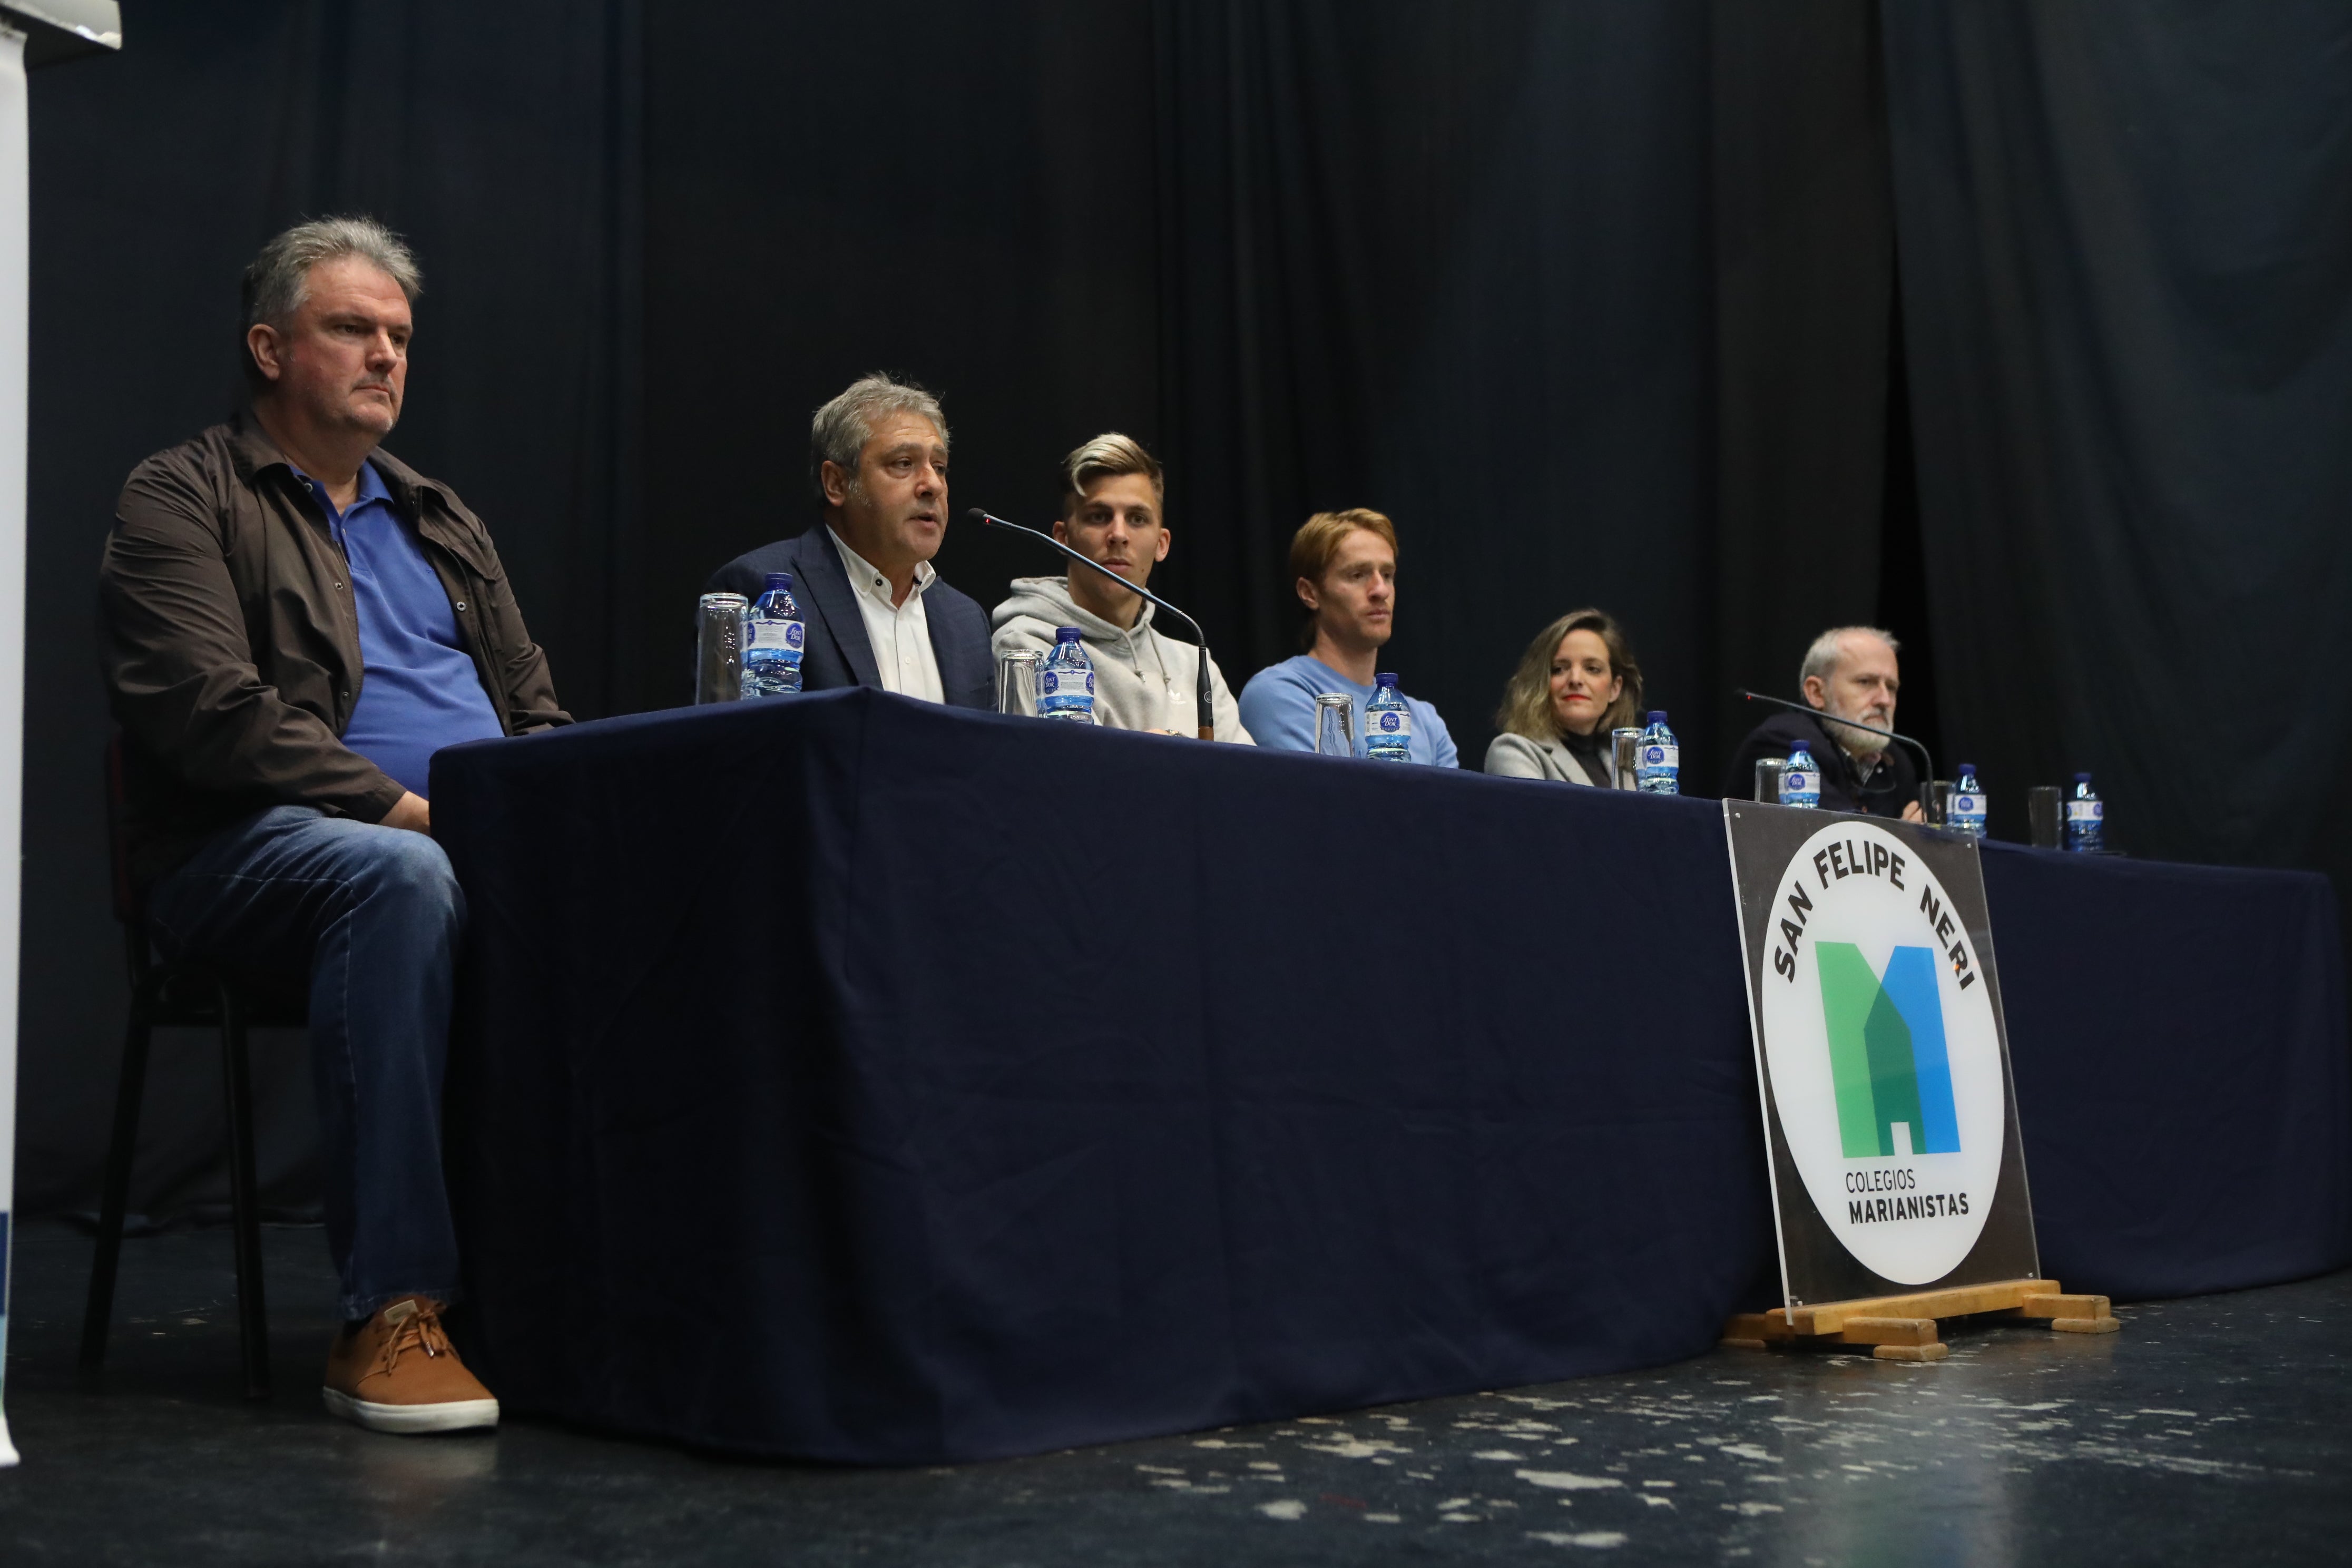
(1526, 700)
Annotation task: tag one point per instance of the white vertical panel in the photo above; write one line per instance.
(16, 266)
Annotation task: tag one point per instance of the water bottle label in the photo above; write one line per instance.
(1967, 806)
(790, 636)
(1388, 724)
(2086, 810)
(1795, 786)
(1662, 757)
(1065, 684)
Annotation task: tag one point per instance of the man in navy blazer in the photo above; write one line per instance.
(878, 614)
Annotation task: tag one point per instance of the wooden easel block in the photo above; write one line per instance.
(1935, 1352)
(1895, 1338)
(1903, 1328)
(1827, 1317)
(2070, 1314)
(1888, 1332)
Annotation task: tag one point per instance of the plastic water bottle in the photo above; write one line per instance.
(2087, 817)
(1065, 686)
(1659, 767)
(773, 638)
(1801, 780)
(1388, 722)
(1966, 813)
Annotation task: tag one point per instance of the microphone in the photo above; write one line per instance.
(1926, 763)
(1203, 712)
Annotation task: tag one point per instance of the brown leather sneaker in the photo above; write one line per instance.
(398, 1372)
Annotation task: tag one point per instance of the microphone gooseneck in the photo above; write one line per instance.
(1926, 763)
(1203, 712)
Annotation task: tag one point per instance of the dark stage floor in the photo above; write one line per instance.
(2207, 1430)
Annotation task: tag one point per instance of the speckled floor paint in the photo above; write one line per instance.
(2213, 1429)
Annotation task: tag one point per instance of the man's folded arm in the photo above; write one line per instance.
(180, 671)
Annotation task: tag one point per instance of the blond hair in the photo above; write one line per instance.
(1318, 539)
(1317, 544)
(1105, 457)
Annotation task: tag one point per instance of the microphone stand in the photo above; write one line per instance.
(1204, 713)
(1927, 780)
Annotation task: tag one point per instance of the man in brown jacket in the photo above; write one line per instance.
(291, 622)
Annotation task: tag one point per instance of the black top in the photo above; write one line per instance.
(1891, 782)
(1596, 751)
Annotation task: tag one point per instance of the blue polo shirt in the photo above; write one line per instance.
(418, 689)
(1278, 710)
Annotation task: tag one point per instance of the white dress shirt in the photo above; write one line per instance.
(900, 634)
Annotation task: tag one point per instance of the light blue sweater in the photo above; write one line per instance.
(1278, 710)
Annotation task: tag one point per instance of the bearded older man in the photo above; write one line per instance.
(1849, 672)
(291, 622)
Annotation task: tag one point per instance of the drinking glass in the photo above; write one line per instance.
(1625, 749)
(1767, 778)
(1335, 724)
(2045, 815)
(719, 648)
(1939, 801)
(1016, 682)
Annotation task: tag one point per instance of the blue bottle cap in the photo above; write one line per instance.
(1967, 768)
(2082, 778)
(1386, 678)
(1657, 715)
(779, 580)
(1066, 634)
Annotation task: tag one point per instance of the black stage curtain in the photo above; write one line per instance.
(1452, 263)
(2128, 299)
(958, 193)
(1595, 299)
(1804, 252)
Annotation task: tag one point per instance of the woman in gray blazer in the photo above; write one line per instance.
(1576, 681)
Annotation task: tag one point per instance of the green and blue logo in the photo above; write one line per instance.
(1887, 1051)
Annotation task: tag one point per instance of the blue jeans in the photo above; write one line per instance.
(369, 919)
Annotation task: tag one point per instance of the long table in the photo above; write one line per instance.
(851, 1079)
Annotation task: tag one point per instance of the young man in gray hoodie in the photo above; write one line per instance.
(1113, 512)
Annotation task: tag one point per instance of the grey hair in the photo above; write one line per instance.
(1822, 658)
(839, 430)
(278, 283)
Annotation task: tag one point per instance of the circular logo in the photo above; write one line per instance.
(1885, 1063)
(794, 635)
(1793, 783)
(1389, 722)
(1653, 754)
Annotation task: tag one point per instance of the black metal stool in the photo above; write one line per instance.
(168, 995)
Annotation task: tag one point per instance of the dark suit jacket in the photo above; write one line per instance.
(839, 653)
(1890, 786)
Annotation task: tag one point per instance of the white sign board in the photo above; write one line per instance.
(1881, 1055)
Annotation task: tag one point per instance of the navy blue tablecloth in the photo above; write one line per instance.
(2177, 1034)
(852, 1078)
